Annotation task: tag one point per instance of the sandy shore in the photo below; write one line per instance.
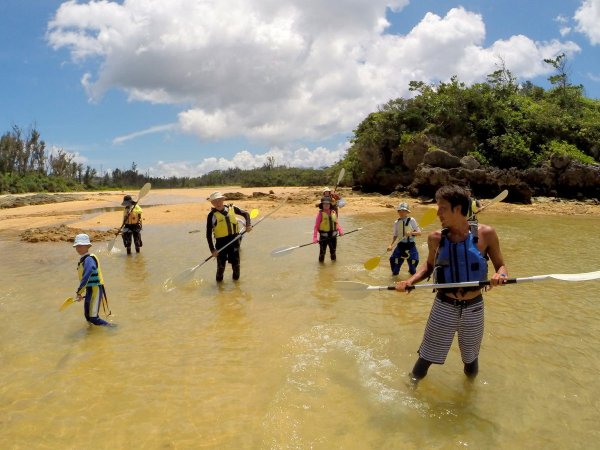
(100, 213)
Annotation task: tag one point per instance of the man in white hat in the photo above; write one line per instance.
(91, 282)
(406, 228)
(222, 223)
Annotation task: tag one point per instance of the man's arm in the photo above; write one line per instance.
(492, 250)
(209, 231)
(244, 213)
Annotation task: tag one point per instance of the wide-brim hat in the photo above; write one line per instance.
(215, 196)
(403, 207)
(326, 200)
(82, 239)
(127, 201)
(326, 189)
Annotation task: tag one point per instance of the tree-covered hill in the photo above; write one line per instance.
(516, 131)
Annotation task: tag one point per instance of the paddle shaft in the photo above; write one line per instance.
(480, 284)
(312, 243)
(243, 232)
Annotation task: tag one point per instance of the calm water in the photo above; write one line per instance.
(283, 359)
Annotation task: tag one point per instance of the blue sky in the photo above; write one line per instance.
(183, 87)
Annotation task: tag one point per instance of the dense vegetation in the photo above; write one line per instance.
(500, 123)
(27, 166)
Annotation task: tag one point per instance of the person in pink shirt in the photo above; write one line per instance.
(326, 230)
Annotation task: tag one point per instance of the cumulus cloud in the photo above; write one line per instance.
(278, 71)
(587, 17)
(299, 157)
(74, 156)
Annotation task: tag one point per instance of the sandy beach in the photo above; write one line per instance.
(99, 213)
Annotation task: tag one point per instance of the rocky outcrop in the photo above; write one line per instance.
(441, 158)
(562, 177)
(16, 201)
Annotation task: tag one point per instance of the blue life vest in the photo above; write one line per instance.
(460, 261)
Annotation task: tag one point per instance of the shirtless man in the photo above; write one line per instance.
(454, 255)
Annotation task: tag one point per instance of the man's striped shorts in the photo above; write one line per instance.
(448, 317)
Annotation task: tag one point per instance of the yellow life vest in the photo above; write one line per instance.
(328, 222)
(226, 224)
(471, 216)
(134, 217)
(96, 278)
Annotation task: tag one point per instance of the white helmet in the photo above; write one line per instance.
(403, 207)
(82, 239)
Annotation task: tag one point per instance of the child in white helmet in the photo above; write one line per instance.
(91, 283)
(405, 228)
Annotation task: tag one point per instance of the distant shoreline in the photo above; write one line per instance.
(190, 206)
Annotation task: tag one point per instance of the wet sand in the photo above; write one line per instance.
(100, 213)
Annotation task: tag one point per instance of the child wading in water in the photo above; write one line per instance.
(91, 282)
(326, 229)
(406, 228)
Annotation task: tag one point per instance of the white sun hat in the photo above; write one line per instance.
(215, 196)
(82, 239)
(403, 207)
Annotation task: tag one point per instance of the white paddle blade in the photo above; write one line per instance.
(587, 276)
(282, 251)
(341, 175)
(501, 196)
(181, 280)
(144, 191)
(111, 244)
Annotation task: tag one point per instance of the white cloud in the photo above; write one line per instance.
(561, 19)
(564, 31)
(588, 20)
(278, 71)
(299, 157)
(76, 157)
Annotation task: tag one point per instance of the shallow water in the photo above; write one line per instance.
(285, 359)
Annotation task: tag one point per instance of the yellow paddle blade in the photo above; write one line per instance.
(372, 263)
(428, 218)
(254, 213)
(68, 302)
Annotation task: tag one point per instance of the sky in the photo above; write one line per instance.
(183, 87)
